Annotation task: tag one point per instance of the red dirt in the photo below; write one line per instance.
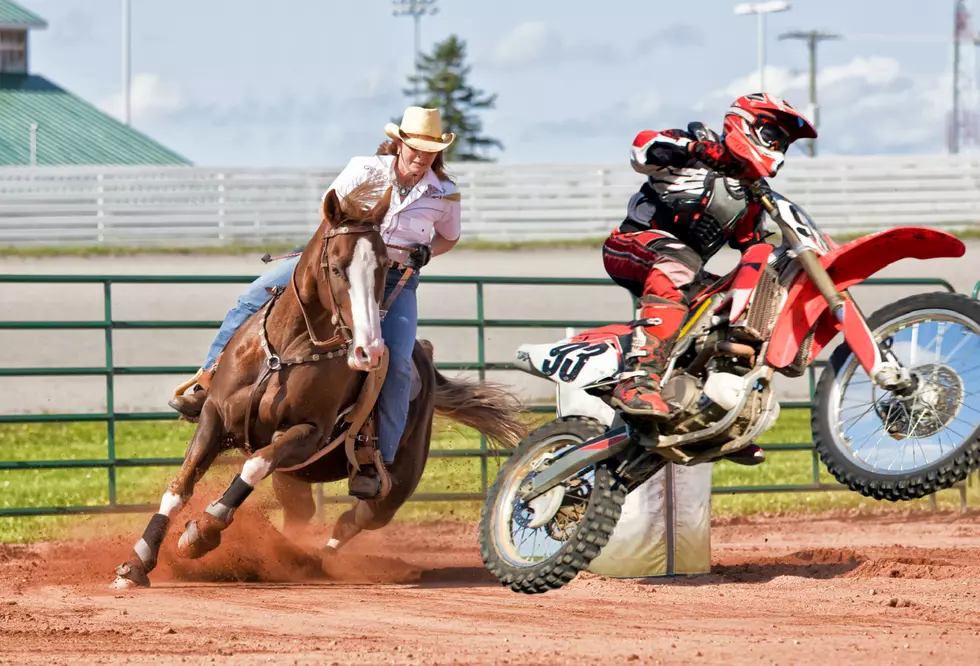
(891, 589)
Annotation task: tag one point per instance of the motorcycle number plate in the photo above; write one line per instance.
(576, 363)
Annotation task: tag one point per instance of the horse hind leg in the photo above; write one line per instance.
(203, 535)
(296, 498)
(204, 448)
(405, 475)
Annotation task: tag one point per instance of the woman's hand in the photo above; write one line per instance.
(418, 257)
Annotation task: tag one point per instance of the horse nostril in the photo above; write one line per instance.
(361, 354)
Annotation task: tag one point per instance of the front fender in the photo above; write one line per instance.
(848, 265)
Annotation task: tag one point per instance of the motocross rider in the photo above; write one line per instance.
(690, 206)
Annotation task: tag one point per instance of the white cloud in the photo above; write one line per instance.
(867, 105)
(643, 106)
(778, 81)
(536, 43)
(876, 71)
(528, 43)
(150, 97)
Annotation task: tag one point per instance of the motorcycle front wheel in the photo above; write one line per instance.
(893, 447)
(541, 545)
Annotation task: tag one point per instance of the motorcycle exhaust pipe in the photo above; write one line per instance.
(722, 347)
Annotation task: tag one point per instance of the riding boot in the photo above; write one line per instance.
(371, 479)
(366, 483)
(190, 403)
(654, 333)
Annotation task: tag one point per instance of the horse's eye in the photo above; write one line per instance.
(336, 271)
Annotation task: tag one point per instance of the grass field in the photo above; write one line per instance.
(86, 441)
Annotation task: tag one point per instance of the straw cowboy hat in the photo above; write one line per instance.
(421, 129)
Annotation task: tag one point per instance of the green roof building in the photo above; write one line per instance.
(44, 124)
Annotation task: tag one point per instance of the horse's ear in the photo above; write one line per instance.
(381, 208)
(330, 208)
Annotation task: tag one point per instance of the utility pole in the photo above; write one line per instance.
(812, 37)
(761, 9)
(416, 9)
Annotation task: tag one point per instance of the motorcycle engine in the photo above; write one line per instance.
(702, 403)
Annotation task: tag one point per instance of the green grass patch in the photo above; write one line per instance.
(90, 486)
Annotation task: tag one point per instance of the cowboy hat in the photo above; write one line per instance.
(421, 129)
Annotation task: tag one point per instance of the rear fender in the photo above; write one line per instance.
(848, 265)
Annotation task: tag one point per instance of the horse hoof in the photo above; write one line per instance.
(194, 543)
(129, 577)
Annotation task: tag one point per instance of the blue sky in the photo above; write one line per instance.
(312, 82)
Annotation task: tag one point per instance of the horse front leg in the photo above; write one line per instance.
(201, 453)
(288, 447)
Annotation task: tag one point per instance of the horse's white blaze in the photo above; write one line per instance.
(170, 504)
(368, 345)
(255, 469)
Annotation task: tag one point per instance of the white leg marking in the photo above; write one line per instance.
(170, 504)
(255, 469)
(368, 344)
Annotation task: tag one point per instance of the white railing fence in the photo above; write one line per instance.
(186, 206)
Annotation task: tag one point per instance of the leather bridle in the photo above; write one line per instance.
(342, 331)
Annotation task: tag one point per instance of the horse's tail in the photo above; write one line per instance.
(486, 406)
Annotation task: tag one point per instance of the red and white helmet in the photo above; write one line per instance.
(759, 129)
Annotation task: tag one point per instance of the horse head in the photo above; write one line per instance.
(354, 263)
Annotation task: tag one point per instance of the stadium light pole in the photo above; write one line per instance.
(812, 38)
(416, 9)
(761, 10)
(125, 60)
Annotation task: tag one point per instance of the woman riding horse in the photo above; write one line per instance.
(423, 221)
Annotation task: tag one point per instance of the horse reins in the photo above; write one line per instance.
(340, 341)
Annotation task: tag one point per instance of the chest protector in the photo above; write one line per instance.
(705, 219)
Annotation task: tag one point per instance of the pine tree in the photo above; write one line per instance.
(442, 84)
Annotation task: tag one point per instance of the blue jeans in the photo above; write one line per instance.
(250, 302)
(398, 329)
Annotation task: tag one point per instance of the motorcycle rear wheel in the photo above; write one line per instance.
(591, 504)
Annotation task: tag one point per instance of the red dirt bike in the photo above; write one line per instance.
(896, 413)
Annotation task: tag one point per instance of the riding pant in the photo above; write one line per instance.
(650, 263)
(398, 330)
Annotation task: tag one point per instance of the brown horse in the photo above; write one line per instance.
(286, 398)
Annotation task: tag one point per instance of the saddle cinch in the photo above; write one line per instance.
(356, 428)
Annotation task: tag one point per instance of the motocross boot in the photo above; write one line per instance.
(654, 333)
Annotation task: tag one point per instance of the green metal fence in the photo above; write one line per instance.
(111, 463)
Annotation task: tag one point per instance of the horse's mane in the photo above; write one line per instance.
(360, 201)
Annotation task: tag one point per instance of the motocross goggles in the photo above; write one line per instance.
(770, 134)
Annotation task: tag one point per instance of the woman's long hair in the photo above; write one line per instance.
(438, 164)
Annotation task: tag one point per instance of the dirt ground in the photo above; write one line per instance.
(890, 589)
